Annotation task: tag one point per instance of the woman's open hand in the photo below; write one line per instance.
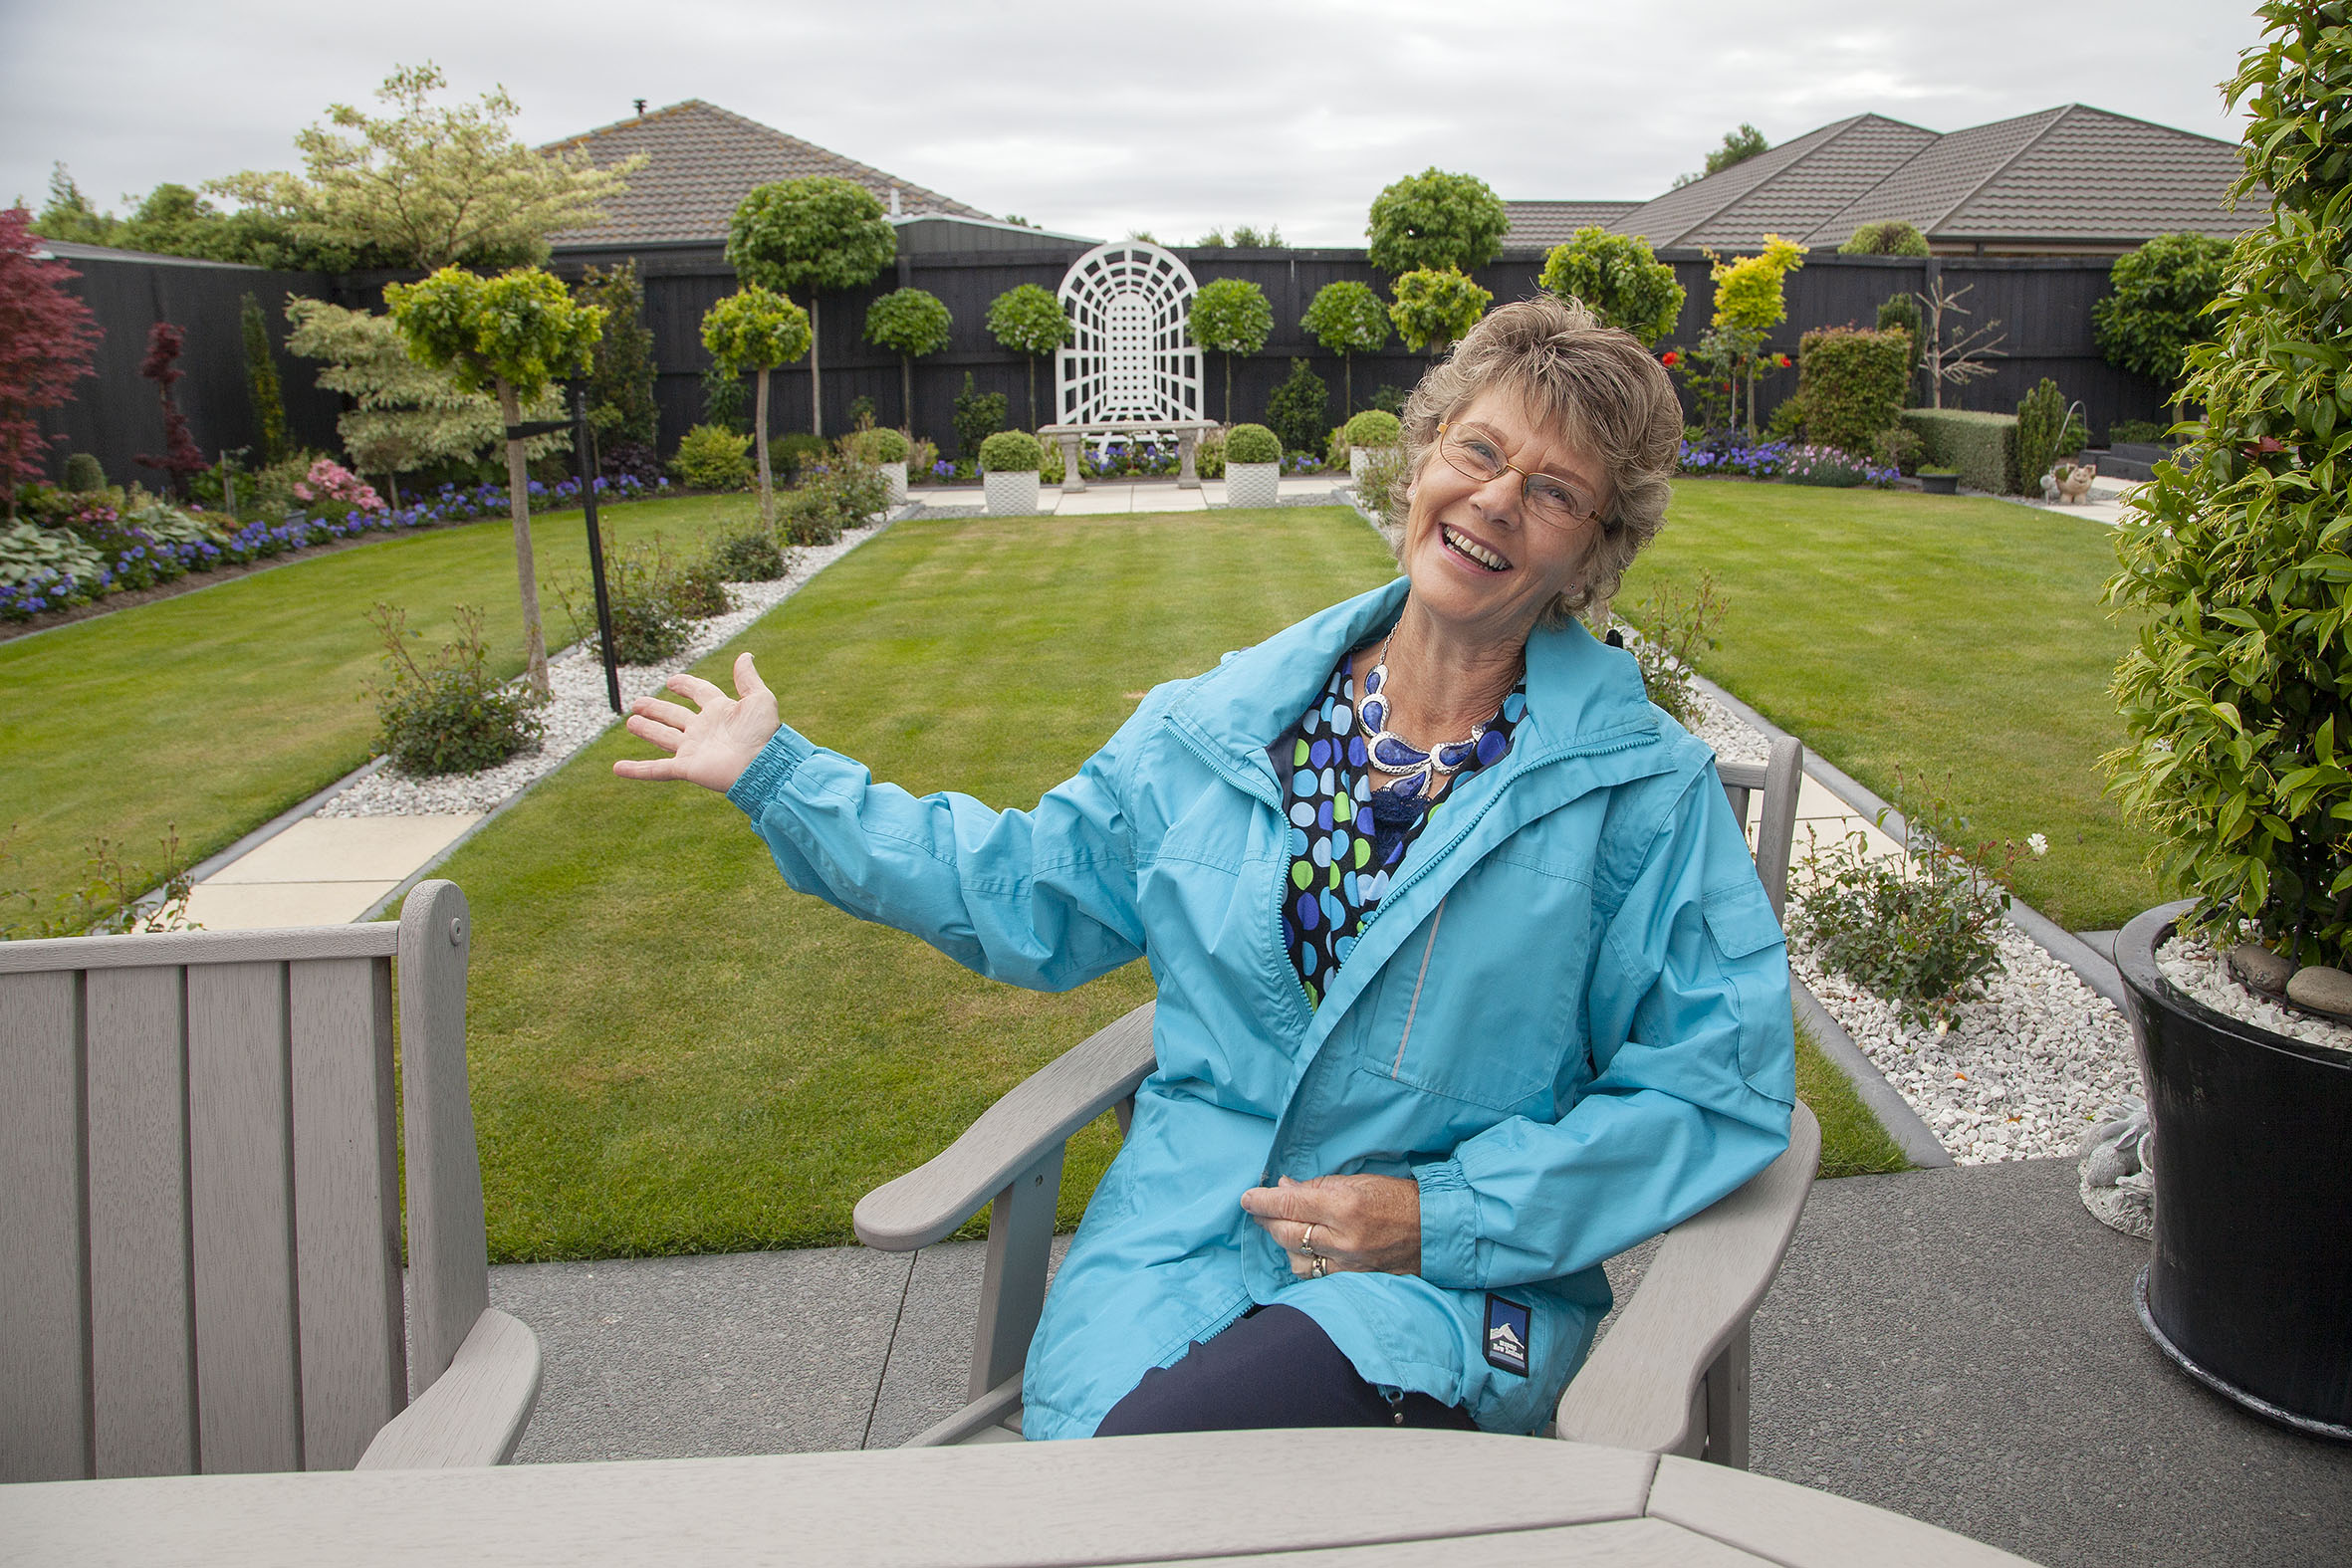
(711, 748)
(1368, 1223)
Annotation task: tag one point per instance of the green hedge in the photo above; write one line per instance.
(1852, 382)
(1012, 452)
(1982, 447)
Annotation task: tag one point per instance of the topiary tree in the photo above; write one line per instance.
(180, 456)
(2042, 433)
(1347, 318)
(1298, 411)
(1749, 303)
(1850, 384)
(261, 380)
(756, 330)
(910, 322)
(807, 237)
(1435, 307)
(1030, 322)
(1620, 278)
(620, 380)
(1901, 312)
(1231, 316)
(2157, 306)
(1891, 238)
(513, 335)
(1437, 220)
(47, 338)
(2238, 696)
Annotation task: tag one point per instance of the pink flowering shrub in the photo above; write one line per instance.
(330, 481)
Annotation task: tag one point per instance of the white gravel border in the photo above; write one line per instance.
(580, 711)
(2192, 963)
(2019, 1075)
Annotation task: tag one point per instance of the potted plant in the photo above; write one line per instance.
(1367, 432)
(1939, 481)
(886, 449)
(1009, 465)
(1252, 466)
(2235, 698)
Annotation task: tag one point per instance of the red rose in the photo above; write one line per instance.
(1783, 362)
(1671, 359)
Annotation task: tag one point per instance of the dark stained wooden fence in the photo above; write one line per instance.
(2044, 305)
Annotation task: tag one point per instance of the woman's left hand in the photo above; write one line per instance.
(1366, 1223)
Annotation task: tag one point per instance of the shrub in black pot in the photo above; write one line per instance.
(2238, 701)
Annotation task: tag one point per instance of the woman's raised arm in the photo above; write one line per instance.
(711, 747)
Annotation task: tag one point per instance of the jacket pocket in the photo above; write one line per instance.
(1751, 949)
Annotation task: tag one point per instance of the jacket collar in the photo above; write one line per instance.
(1581, 694)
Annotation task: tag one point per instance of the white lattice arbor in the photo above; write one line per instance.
(1132, 370)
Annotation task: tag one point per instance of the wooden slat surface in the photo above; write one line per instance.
(371, 940)
(44, 1414)
(1397, 1495)
(449, 1259)
(248, 1402)
(142, 1375)
(346, 1212)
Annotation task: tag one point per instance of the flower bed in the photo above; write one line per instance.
(159, 544)
(1733, 455)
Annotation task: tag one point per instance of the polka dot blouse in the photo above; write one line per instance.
(1348, 839)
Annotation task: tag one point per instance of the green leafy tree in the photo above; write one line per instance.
(756, 330)
(261, 379)
(1620, 278)
(806, 238)
(1738, 147)
(72, 217)
(1347, 318)
(620, 384)
(1030, 322)
(1750, 301)
(1437, 220)
(910, 322)
(402, 415)
(513, 335)
(2157, 306)
(2234, 695)
(1435, 307)
(1231, 316)
(1902, 310)
(174, 220)
(1891, 238)
(431, 185)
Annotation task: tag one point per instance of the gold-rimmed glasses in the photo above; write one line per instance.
(1550, 500)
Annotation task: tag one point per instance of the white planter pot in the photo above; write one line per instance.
(1253, 483)
(1358, 457)
(895, 473)
(1011, 494)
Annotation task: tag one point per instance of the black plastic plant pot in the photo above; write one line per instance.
(1940, 484)
(2250, 1290)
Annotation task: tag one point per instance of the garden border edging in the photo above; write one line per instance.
(1912, 1135)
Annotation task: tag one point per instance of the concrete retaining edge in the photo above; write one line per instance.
(1913, 1137)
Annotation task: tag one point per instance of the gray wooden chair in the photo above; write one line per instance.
(200, 1205)
(1670, 1377)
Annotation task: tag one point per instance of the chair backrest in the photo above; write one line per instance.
(200, 1194)
(1778, 779)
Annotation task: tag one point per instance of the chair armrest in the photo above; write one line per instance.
(927, 1204)
(1637, 1389)
(474, 1413)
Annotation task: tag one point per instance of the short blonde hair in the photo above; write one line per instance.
(1597, 387)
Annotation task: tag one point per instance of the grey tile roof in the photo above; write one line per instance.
(2093, 177)
(1923, 189)
(1787, 190)
(1553, 222)
(701, 163)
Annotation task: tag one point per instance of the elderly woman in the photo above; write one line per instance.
(1466, 981)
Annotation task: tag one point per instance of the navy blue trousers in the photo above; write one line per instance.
(1275, 1367)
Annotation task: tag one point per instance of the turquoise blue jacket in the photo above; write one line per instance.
(1567, 1020)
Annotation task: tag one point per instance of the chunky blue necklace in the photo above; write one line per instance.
(1394, 754)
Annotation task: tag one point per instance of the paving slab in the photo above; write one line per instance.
(259, 906)
(348, 849)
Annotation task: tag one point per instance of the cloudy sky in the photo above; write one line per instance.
(1105, 120)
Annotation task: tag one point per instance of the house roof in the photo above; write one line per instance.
(2062, 179)
(1555, 222)
(701, 163)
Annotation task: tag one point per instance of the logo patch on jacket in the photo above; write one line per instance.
(1508, 1328)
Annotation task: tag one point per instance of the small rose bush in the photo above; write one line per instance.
(329, 484)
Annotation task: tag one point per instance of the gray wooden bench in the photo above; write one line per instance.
(1670, 1377)
(200, 1205)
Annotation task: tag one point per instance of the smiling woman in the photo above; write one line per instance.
(1465, 980)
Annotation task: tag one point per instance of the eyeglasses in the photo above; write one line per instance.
(1559, 503)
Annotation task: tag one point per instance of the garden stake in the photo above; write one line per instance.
(586, 443)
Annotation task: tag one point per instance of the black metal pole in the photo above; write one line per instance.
(583, 443)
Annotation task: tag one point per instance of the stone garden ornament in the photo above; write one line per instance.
(1130, 369)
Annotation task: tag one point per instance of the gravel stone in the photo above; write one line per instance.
(2191, 964)
(579, 711)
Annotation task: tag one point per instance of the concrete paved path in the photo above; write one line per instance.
(1140, 495)
(1956, 1345)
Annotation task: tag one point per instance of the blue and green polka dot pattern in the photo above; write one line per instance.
(1348, 839)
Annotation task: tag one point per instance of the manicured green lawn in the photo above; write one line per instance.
(673, 1053)
(1852, 1141)
(1957, 640)
(216, 710)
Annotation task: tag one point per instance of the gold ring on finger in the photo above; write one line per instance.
(1306, 1243)
(1323, 1265)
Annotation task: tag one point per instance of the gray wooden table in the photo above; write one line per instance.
(1379, 1496)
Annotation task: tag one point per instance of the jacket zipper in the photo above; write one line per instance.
(1252, 784)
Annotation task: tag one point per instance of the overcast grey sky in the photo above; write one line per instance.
(1105, 118)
